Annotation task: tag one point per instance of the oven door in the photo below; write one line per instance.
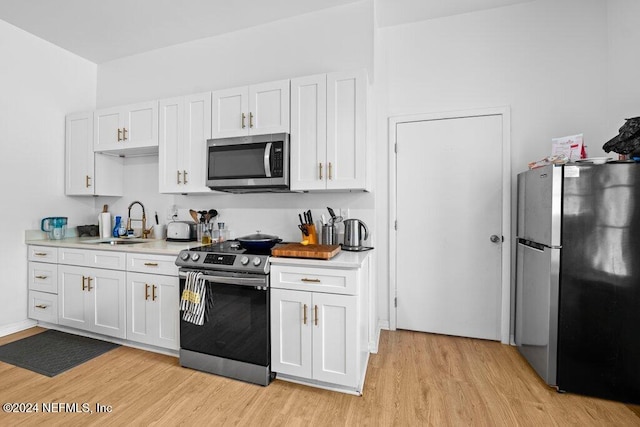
(260, 161)
(237, 325)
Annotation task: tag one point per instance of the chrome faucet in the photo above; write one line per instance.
(145, 232)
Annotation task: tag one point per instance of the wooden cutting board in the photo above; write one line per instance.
(298, 250)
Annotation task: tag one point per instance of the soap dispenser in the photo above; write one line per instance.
(118, 228)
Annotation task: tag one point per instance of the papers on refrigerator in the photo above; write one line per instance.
(570, 146)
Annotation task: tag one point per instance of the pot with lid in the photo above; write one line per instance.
(258, 241)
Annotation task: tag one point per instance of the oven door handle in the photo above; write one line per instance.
(267, 159)
(244, 281)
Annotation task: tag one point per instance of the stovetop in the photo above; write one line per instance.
(225, 256)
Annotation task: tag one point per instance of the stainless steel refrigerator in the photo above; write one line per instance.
(578, 277)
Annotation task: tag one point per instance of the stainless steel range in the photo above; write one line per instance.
(234, 339)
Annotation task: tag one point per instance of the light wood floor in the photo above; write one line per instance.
(415, 379)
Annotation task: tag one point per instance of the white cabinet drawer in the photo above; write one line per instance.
(312, 279)
(43, 254)
(154, 264)
(88, 258)
(43, 306)
(43, 277)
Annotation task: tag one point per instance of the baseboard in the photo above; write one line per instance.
(17, 327)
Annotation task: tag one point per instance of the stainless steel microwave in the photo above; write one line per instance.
(249, 164)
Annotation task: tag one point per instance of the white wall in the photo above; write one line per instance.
(40, 83)
(330, 40)
(544, 59)
(622, 64)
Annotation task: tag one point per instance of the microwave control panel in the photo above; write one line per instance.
(277, 169)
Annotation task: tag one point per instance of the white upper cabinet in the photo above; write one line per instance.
(185, 126)
(328, 132)
(251, 110)
(130, 129)
(86, 172)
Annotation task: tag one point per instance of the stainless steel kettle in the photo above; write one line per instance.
(352, 233)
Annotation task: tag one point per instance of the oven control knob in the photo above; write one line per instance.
(184, 256)
(244, 260)
(256, 261)
(195, 257)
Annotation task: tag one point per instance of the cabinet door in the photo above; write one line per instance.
(107, 129)
(197, 129)
(335, 339)
(346, 131)
(79, 166)
(308, 132)
(73, 307)
(269, 108)
(106, 294)
(291, 332)
(141, 125)
(170, 149)
(230, 112)
(152, 309)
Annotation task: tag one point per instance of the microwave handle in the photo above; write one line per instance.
(267, 159)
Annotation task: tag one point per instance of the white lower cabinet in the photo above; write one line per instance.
(152, 309)
(318, 325)
(314, 336)
(92, 299)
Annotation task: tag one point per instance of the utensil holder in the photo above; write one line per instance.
(329, 235)
(312, 238)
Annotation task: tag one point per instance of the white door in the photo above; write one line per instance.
(449, 211)
(171, 148)
(269, 108)
(335, 339)
(229, 112)
(79, 165)
(291, 319)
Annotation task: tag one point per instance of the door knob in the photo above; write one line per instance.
(495, 239)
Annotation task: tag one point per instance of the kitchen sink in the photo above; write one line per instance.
(118, 241)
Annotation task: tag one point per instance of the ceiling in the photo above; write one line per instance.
(103, 30)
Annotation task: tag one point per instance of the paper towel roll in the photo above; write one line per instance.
(105, 225)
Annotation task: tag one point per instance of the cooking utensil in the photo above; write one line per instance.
(212, 213)
(304, 229)
(194, 215)
(157, 222)
(334, 219)
(258, 241)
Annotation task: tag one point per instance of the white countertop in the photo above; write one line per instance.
(343, 259)
(150, 246)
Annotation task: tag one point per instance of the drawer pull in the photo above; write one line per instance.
(40, 253)
(41, 277)
(310, 280)
(151, 264)
(42, 306)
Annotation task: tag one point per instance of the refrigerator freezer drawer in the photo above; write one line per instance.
(537, 293)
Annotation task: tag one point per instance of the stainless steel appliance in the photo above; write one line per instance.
(577, 284)
(234, 340)
(249, 164)
(353, 236)
(181, 231)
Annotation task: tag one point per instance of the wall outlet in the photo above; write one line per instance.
(172, 212)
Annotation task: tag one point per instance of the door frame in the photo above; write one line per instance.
(394, 121)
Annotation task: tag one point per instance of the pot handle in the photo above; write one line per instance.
(366, 230)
